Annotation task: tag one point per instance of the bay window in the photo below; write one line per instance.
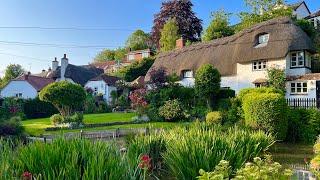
(297, 59)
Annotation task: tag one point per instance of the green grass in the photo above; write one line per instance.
(37, 126)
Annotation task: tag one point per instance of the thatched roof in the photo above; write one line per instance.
(225, 53)
(110, 80)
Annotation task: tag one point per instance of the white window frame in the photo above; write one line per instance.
(260, 65)
(187, 74)
(263, 38)
(18, 95)
(297, 59)
(299, 87)
(145, 54)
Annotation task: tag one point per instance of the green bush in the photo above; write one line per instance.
(266, 111)
(226, 93)
(11, 127)
(90, 104)
(171, 110)
(245, 91)
(136, 69)
(12, 107)
(75, 118)
(34, 108)
(214, 118)
(56, 119)
(315, 162)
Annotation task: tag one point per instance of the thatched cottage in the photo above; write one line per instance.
(243, 58)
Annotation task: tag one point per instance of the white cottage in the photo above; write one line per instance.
(25, 87)
(243, 59)
(103, 85)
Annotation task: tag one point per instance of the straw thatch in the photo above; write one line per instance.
(225, 53)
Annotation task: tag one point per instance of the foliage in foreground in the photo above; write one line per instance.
(258, 169)
(183, 151)
(315, 162)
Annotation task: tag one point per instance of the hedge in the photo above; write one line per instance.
(246, 91)
(35, 108)
(266, 111)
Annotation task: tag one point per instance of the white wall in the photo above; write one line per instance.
(102, 88)
(301, 12)
(66, 79)
(312, 90)
(14, 87)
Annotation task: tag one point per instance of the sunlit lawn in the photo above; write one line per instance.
(37, 126)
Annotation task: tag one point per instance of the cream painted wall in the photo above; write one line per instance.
(14, 87)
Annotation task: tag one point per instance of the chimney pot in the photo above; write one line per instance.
(65, 56)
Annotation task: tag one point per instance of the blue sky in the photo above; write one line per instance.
(126, 15)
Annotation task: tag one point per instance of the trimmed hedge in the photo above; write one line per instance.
(246, 91)
(35, 108)
(266, 111)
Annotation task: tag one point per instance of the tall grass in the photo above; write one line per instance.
(186, 150)
(6, 159)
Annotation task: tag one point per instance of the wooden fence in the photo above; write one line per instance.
(305, 103)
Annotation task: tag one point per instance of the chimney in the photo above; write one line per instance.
(180, 43)
(64, 64)
(43, 70)
(55, 64)
(26, 76)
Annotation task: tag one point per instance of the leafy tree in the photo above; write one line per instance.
(12, 71)
(207, 83)
(189, 25)
(105, 55)
(270, 9)
(169, 35)
(307, 27)
(136, 69)
(138, 40)
(120, 54)
(158, 78)
(65, 96)
(277, 78)
(219, 26)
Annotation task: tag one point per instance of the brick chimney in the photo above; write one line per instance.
(180, 43)
(64, 64)
(55, 64)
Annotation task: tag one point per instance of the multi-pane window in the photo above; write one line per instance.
(263, 39)
(299, 87)
(18, 95)
(297, 59)
(188, 74)
(259, 65)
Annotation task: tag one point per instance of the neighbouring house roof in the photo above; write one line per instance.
(104, 65)
(225, 53)
(140, 51)
(296, 5)
(37, 82)
(110, 80)
(79, 74)
(311, 76)
(313, 15)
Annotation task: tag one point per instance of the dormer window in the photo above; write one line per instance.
(187, 74)
(262, 40)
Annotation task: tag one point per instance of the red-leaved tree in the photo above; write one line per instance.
(138, 100)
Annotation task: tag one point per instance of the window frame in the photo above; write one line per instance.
(261, 63)
(264, 38)
(299, 87)
(184, 74)
(297, 60)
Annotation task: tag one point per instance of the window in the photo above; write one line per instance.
(299, 87)
(263, 39)
(297, 59)
(145, 54)
(259, 65)
(188, 74)
(95, 90)
(131, 57)
(18, 95)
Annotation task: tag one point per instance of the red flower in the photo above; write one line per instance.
(27, 176)
(145, 162)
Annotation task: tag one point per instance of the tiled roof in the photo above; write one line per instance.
(37, 82)
(110, 80)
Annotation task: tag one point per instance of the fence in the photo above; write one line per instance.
(305, 103)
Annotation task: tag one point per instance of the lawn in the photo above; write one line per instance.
(37, 126)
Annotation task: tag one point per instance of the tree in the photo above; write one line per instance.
(277, 79)
(169, 35)
(158, 78)
(105, 55)
(65, 96)
(189, 26)
(12, 71)
(219, 26)
(269, 9)
(207, 83)
(138, 40)
(120, 54)
(136, 69)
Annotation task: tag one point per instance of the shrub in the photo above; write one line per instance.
(12, 107)
(138, 101)
(266, 111)
(315, 162)
(171, 110)
(136, 69)
(214, 118)
(56, 119)
(34, 108)
(226, 93)
(75, 118)
(11, 127)
(103, 107)
(245, 91)
(90, 104)
(259, 169)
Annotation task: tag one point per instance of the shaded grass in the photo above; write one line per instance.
(37, 126)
